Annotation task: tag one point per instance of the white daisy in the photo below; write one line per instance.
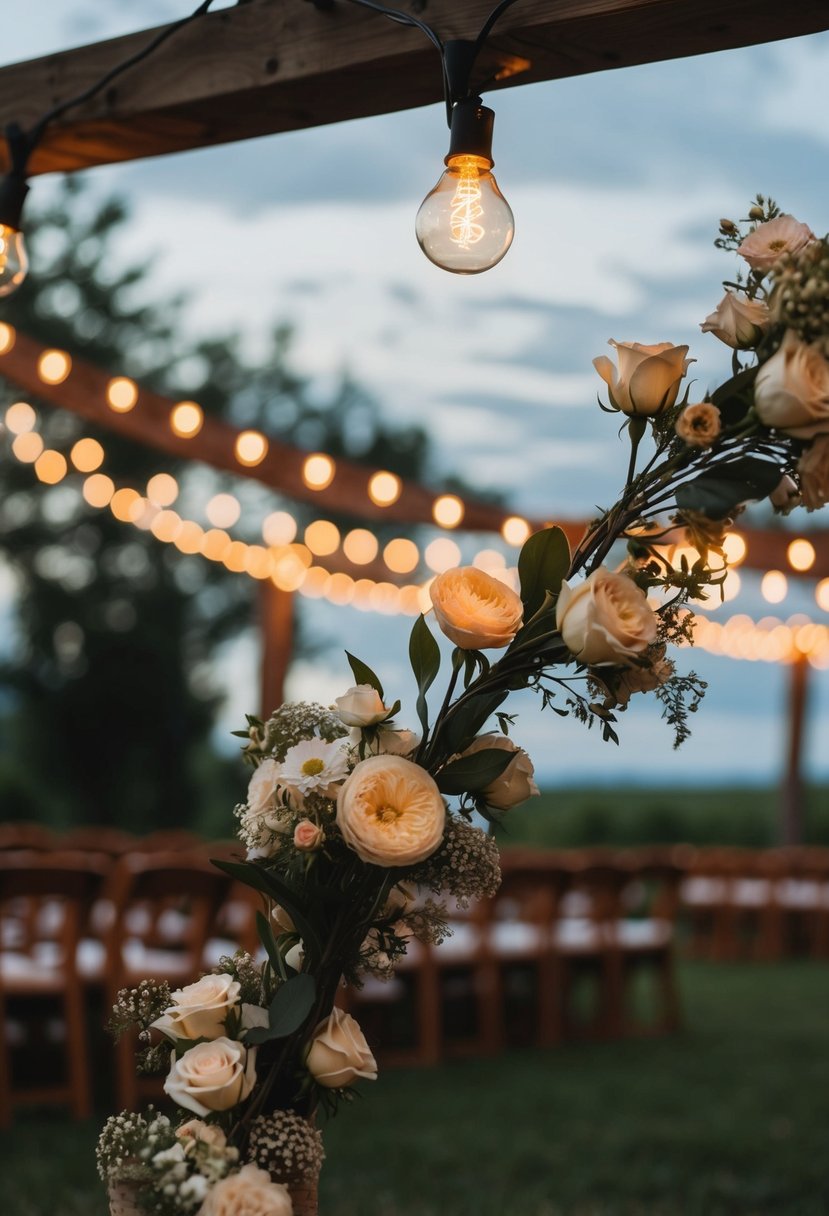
(314, 764)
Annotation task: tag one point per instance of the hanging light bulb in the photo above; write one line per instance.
(13, 261)
(465, 224)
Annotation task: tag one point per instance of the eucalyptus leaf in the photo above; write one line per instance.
(470, 774)
(363, 674)
(289, 1008)
(718, 490)
(542, 564)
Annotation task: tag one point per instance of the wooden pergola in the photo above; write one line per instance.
(267, 66)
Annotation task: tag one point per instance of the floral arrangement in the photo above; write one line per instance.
(358, 831)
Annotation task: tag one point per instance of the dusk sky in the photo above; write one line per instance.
(617, 182)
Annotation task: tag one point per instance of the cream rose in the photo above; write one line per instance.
(199, 1010)
(390, 811)
(475, 610)
(195, 1130)
(737, 321)
(388, 741)
(699, 425)
(765, 246)
(361, 706)
(212, 1076)
(308, 835)
(813, 469)
(642, 679)
(791, 392)
(605, 619)
(515, 784)
(262, 787)
(339, 1053)
(250, 1192)
(648, 378)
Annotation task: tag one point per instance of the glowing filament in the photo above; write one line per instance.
(466, 208)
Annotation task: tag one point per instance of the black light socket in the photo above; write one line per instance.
(471, 130)
(13, 191)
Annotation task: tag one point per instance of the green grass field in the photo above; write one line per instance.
(591, 815)
(730, 1118)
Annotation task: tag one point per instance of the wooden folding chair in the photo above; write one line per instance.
(57, 889)
(162, 912)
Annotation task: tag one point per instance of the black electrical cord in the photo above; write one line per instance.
(22, 144)
(456, 84)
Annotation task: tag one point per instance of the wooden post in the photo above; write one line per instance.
(277, 626)
(791, 800)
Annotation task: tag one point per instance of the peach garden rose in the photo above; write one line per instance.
(737, 321)
(391, 812)
(475, 610)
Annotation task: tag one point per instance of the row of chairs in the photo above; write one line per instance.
(557, 954)
(76, 926)
(762, 904)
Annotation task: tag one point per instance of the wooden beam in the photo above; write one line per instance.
(282, 65)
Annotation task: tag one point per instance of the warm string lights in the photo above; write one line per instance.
(769, 640)
(290, 564)
(317, 470)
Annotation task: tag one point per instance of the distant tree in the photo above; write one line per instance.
(107, 700)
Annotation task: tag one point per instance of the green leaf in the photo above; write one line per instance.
(734, 398)
(718, 490)
(256, 876)
(469, 774)
(465, 723)
(363, 673)
(424, 656)
(289, 1008)
(266, 937)
(542, 564)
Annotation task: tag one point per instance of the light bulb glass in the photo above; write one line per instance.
(13, 261)
(465, 224)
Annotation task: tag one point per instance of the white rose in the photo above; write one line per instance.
(212, 1076)
(791, 392)
(765, 246)
(263, 786)
(397, 742)
(199, 1010)
(475, 610)
(361, 706)
(339, 1053)
(250, 1192)
(648, 378)
(737, 321)
(605, 619)
(196, 1130)
(390, 811)
(515, 784)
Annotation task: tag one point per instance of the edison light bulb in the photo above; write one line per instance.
(465, 224)
(13, 260)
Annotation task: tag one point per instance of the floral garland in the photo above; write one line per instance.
(358, 831)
